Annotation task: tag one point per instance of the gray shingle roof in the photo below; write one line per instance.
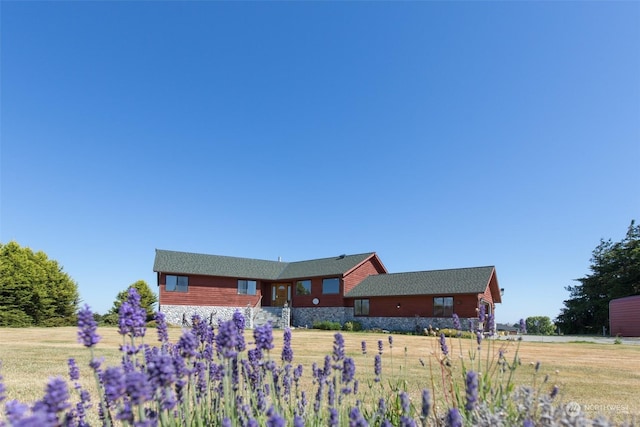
(225, 266)
(455, 281)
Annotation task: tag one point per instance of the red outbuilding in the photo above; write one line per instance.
(624, 316)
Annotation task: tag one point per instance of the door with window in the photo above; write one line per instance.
(280, 294)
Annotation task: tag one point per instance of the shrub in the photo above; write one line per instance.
(15, 318)
(327, 325)
(352, 326)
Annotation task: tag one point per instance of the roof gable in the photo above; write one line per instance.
(472, 280)
(225, 266)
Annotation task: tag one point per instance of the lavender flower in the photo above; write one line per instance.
(404, 403)
(275, 420)
(528, 423)
(479, 338)
(390, 341)
(298, 421)
(348, 370)
(263, 336)
(55, 399)
(380, 347)
(161, 370)
(426, 404)
(87, 327)
(226, 422)
(338, 347)
(554, 392)
(443, 344)
(74, 371)
(456, 322)
(138, 388)
(482, 313)
(3, 389)
(114, 383)
(15, 411)
(406, 421)
(187, 344)
(454, 419)
(334, 418)
(523, 326)
(491, 323)
(227, 339)
(161, 326)
(239, 320)
(131, 316)
(471, 390)
(364, 347)
(377, 367)
(287, 351)
(356, 419)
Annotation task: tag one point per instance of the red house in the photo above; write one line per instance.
(344, 288)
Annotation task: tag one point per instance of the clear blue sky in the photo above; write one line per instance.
(437, 134)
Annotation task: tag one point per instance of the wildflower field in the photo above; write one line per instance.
(234, 377)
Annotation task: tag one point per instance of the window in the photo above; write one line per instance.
(246, 287)
(331, 286)
(361, 307)
(176, 283)
(442, 306)
(303, 287)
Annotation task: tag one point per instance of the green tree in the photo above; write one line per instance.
(34, 291)
(615, 273)
(540, 325)
(148, 300)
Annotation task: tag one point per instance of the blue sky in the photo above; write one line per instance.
(437, 134)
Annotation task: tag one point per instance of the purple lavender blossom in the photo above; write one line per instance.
(404, 402)
(380, 347)
(114, 383)
(406, 421)
(454, 419)
(275, 420)
(426, 404)
(390, 341)
(138, 387)
(443, 344)
(226, 422)
(161, 326)
(523, 326)
(187, 344)
(479, 338)
(239, 320)
(334, 418)
(263, 336)
(74, 371)
(382, 406)
(161, 370)
(471, 388)
(491, 323)
(298, 421)
(364, 347)
(87, 327)
(377, 367)
(131, 316)
(554, 392)
(338, 347)
(15, 411)
(287, 351)
(482, 313)
(528, 423)
(55, 400)
(356, 419)
(3, 389)
(348, 370)
(456, 322)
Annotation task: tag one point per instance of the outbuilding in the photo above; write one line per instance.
(624, 316)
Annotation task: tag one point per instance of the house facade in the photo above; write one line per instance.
(343, 288)
(624, 316)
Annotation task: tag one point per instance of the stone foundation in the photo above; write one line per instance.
(180, 315)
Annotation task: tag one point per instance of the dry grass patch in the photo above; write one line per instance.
(601, 378)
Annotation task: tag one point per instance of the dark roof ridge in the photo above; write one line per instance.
(441, 269)
(332, 257)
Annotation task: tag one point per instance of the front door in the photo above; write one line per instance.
(280, 294)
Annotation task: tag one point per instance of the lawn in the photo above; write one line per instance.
(601, 378)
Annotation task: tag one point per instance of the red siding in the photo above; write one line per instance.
(332, 300)
(624, 316)
(357, 275)
(419, 305)
(208, 290)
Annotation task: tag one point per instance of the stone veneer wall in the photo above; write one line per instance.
(305, 317)
(174, 313)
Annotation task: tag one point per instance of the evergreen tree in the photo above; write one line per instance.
(34, 291)
(615, 273)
